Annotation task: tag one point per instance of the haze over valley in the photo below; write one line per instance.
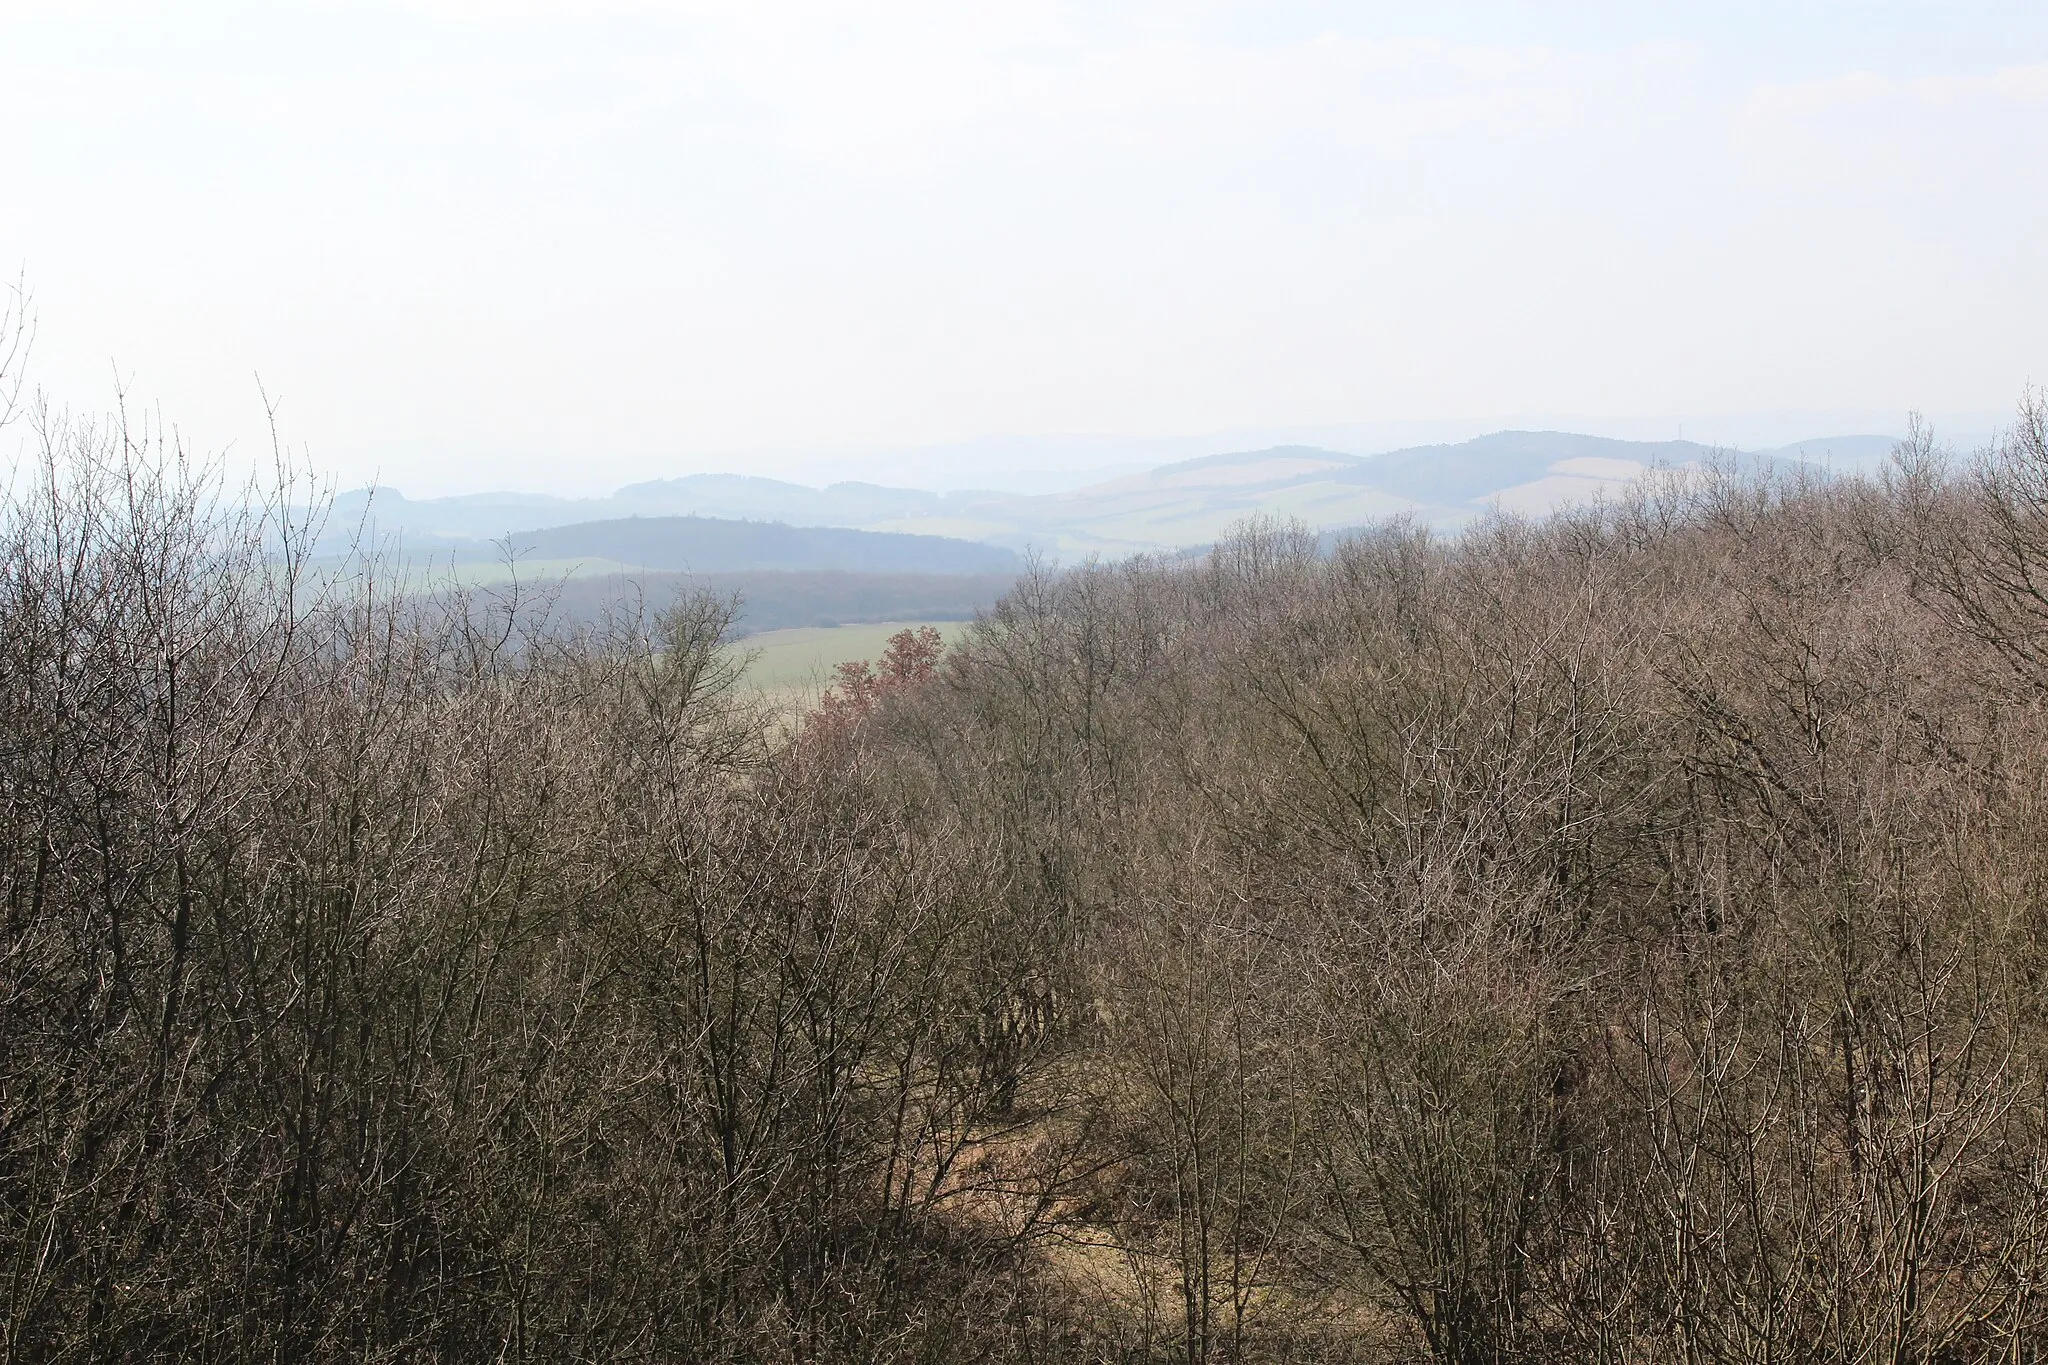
(1176, 506)
(795, 556)
(1066, 682)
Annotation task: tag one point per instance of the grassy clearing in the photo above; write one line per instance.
(794, 666)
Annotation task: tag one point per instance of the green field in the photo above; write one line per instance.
(796, 665)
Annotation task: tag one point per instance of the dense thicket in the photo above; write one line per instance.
(1619, 937)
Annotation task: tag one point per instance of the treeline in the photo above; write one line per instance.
(1617, 938)
(778, 600)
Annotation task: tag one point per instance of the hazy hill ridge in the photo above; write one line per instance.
(1190, 502)
(741, 497)
(716, 545)
(785, 599)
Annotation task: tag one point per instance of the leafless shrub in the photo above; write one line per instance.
(1616, 937)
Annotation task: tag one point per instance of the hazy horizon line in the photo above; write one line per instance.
(1059, 462)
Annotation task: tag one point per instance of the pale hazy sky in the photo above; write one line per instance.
(565, 245)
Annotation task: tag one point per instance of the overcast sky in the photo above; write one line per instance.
(561, 246)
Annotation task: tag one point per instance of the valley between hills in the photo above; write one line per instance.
(816, 570)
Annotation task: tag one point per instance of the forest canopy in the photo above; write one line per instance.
(1619, 936)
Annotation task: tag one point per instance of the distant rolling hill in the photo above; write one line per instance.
(675, 524)
(441, 523)
(1195, 501)
(715, 545)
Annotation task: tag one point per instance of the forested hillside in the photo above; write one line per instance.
(711, 545)
(778, 600)
(1615, 937)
